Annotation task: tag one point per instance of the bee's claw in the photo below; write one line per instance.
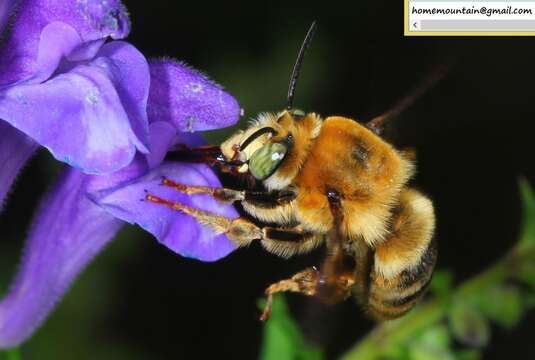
(267, 309)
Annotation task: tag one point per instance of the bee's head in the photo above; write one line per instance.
(274, 146)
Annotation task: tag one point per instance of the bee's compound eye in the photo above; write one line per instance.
(296, 113)
(265, 160)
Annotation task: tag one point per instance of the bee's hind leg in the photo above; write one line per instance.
(304, 282)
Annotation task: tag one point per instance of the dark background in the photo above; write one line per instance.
(473, 134)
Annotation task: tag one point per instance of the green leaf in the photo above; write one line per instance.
(12, 354)
(525, 272)
(527, 233)
(468, 325)
(282, 338)
(441, 285)
(399, 352)
(433, 343)
(435, 336)
(468, 355)
(529, 301)
(422, 352)
(503, 304)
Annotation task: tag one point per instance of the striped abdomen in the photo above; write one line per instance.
(402, 265)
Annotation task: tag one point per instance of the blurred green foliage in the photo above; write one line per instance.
(13, 354)
(499, 295)
(283, 339)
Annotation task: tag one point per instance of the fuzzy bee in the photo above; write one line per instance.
(311, 181)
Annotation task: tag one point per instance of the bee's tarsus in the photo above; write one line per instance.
(267, 308)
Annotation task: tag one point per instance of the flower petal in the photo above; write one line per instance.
(82, 116)
(179, 232)
(162, 138)
(68, 231)
(15, 149)
(188, 99)
(6, 10)
(59, 41)
(131, 77)
(92, 20)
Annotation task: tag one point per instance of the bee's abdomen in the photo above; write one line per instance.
(404, 262)
(391, 298)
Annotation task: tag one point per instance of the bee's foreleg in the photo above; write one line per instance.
(304, 282)
(224, 195)
(221, 194)
(203, 154)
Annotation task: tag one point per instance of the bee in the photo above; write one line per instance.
(311, 181)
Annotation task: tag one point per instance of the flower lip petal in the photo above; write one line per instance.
(78, 116)
(188, 99)
(179, 232)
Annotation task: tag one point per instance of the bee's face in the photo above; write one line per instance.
(271, 148)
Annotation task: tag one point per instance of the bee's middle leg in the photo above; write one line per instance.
(242, 231)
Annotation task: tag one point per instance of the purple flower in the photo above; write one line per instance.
(100, 107)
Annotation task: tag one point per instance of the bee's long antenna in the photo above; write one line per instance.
(298, 63)
(377, 123)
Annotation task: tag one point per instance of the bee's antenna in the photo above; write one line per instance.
(439, 72)
(298, 63)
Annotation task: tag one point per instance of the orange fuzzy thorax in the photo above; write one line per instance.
(365, 170)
